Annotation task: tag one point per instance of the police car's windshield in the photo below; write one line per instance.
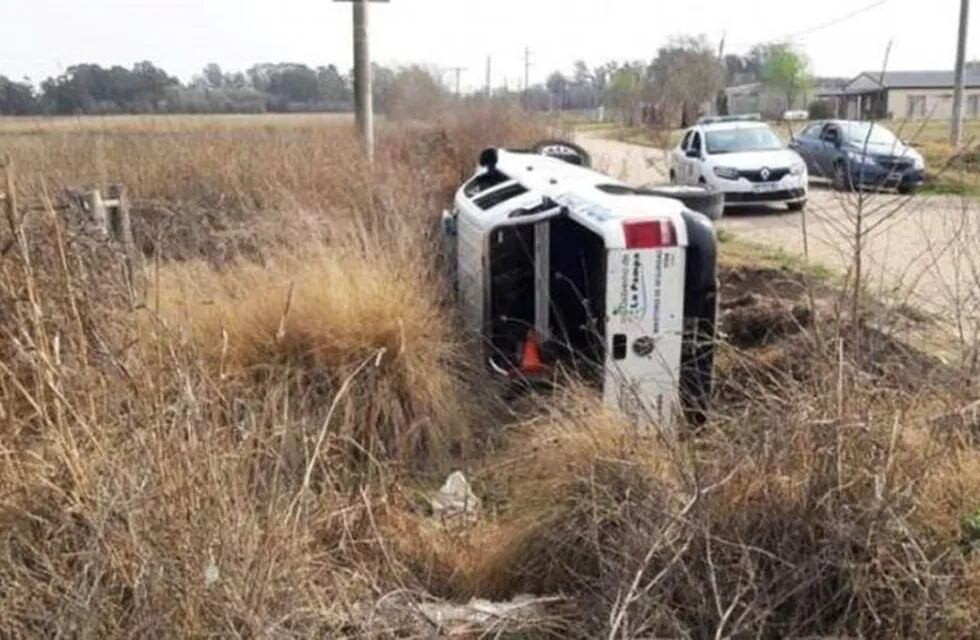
(742, 139)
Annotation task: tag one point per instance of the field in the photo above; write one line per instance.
(241, 436)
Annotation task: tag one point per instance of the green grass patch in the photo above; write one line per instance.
(736, 252)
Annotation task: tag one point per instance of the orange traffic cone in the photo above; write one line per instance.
(531, 355)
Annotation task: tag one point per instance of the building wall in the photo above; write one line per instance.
(759, 99)
(933, 104)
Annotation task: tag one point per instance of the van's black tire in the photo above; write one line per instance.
(705, 200)
(700, 316)
(799, 205)
(572, 154)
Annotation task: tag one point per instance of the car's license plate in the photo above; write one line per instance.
(765, 188)
(895, 176)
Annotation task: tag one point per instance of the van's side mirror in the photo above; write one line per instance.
(692, 153)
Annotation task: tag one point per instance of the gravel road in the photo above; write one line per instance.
(923, 251)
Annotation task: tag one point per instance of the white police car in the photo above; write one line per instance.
(744, 159)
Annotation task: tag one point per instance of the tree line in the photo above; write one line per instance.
(686, 76)
(267, 87)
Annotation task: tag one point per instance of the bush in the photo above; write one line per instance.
(822, 110)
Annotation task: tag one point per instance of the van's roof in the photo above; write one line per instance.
(595, 200)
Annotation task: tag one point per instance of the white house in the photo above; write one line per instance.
(916, 95)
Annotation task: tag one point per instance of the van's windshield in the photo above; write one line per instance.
(742, 139)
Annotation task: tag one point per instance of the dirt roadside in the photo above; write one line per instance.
(922, 252)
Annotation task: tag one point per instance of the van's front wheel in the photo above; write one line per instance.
(799, 205)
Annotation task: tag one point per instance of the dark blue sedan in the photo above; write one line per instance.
(859, 154)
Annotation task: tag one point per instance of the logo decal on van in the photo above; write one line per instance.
(632, 305)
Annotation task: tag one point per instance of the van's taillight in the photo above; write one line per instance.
(650, 234)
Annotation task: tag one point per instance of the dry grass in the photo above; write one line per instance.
(249, 452)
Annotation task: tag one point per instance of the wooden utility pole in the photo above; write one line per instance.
(458, 71)
(527, 78)
(956, 130)
(489, 90)
(363, 107)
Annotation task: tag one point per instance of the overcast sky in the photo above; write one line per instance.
(39, 38)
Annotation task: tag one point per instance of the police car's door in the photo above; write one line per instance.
(680, 159)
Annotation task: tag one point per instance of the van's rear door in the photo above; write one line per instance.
(644, 332)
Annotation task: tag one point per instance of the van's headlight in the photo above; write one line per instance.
(860, 157)
(797, 169)
(729, 173)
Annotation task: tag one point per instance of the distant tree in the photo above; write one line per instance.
(785, 70)
(625, 90)
(382, 87)
(737, 69)
(557, 84)
(89, 88)
(17, 98)
(581, 74)
(213, 77)
(415, 92)
(685, 75)
(334, 88)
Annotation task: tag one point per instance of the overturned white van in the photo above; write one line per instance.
(558, 265)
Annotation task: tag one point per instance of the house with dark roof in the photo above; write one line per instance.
(915, 95)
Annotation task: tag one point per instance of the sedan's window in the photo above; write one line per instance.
(742, 139)
(861, 132)
(830, 133)
(812, 131)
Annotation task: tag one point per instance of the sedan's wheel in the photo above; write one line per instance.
(906, 189)
(841, 181)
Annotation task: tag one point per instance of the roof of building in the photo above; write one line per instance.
(919, 79)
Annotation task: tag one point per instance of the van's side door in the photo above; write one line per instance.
(679, 164)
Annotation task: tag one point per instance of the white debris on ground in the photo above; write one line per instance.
(484, 615)
(455, 503)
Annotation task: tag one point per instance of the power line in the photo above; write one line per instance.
(818, 27)
(836, 21)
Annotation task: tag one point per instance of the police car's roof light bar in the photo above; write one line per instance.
(744, 117)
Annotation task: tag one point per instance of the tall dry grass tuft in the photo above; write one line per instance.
(360, 331)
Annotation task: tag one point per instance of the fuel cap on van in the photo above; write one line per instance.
(644, 346)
